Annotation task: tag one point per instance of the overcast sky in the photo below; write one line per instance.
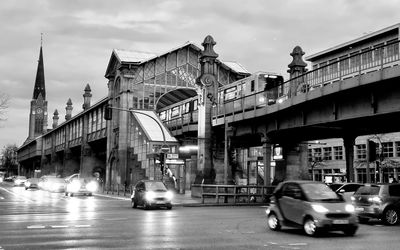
(79, 36)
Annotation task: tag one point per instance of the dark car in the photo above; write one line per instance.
(346, 190)
(32, 183)
(148, 193)
(75, 184)
(312, 206)
(381, 201)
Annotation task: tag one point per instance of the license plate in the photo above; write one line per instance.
(340, 222)
(359, 209)
(159, 202)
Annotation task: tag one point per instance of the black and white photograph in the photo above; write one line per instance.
(200, 124)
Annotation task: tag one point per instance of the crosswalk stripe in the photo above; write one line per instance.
(35, 226)
(82, 225)
(59, 226)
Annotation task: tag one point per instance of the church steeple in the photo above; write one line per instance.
(39, 82)
(38, 110)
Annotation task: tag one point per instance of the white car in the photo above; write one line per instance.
(77, 185)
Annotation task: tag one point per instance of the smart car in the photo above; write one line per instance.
(312, 206)
(381, 201)
(148, 193)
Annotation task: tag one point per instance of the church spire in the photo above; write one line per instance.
(39, 82)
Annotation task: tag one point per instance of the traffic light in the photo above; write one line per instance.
(108, 112)
(162, 158)
(371, 150)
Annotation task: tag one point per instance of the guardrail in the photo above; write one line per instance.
(235, 193)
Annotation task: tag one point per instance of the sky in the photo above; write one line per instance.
(79, 36)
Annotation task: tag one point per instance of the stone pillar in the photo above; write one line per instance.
(296, 68)
(87, 96)
(86, 161)
(208, 91)
(296, 161)
(267, 156)
(68, 109)
(348, 142)
(55, 118)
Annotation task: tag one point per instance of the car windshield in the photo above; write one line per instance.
(155, 186)
(319, 192)
(368, 190)
(335, 186)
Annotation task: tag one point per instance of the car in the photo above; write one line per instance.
(32, 183)
(312, 206)
(150, 194)
(75, 184)
(380, 201)
(55, 184)
(346, 189)
(19, 180)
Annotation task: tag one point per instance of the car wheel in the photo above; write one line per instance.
(273, 222)
(89, 194)
(169, 207)
(363, 220)
(133, 203)
(391, 216)
(310, 228)
(350, 231)
(66, 193)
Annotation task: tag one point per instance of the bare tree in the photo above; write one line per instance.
(9, 159)
(4, 99)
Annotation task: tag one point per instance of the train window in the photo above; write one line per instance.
(185, 108)
(195, 103)
(175, 112)
(163, 115)
(230, 93)
(252, 86)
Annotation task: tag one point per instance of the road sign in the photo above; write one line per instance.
(172, 156)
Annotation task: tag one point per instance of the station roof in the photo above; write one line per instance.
(175, 96)
(151, 127)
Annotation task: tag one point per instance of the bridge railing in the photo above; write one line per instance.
(234, 193)
(346, 66)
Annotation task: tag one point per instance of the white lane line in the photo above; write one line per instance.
(82, 225)
(59, 226)
(298, 244)
(18, 196)
(35, 227)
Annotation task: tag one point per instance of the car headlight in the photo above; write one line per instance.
(169, 195)
(375, 199)
(349, 208)
(319, 208)
(18, 182)
(150, 195)
(27, 184)
(91, 186)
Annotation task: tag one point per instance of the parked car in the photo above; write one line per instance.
(312, 206)
(149, 193)
(19, 180)
(32, 183)
(381, 201)
(75, 184)
(346, 189)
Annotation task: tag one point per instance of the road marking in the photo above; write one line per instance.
(82, 225)
(59, 226)
(298, 244)
(116, 219)
(35, 227)
(18, 196)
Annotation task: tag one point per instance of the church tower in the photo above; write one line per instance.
(38, 111)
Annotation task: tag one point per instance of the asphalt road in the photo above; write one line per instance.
(35, 219)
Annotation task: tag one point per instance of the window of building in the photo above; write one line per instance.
(378, 53)
(327, 153)
(317, 154)
(393, 49)
(310, 155)
(397, 148)
(175, 112)
(338, 153)
(387, 149)
(361, 151)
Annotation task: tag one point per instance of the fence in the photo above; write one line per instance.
(235, 193)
